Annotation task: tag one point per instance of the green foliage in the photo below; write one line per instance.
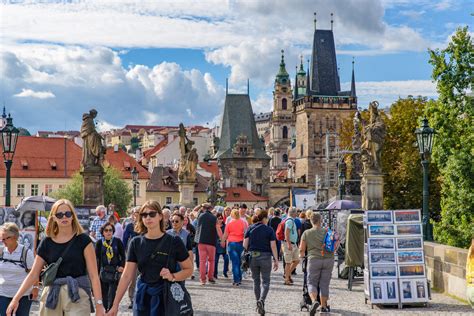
(116, 190)
(453, 119)
(401, 160)
(134, 144)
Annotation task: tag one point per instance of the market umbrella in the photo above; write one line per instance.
(343, 205)
(36, 203)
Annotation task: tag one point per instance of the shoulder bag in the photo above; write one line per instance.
(49, 274)
(176, 298)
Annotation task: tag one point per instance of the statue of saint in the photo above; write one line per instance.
(212, 190)
(92, 149)
(189, 157)
(357, 138)
(374, 135)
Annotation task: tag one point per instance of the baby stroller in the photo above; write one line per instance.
(306, 300)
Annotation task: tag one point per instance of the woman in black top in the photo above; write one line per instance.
(78, 262)
(155, 254)
(110, 262)
(260, 241)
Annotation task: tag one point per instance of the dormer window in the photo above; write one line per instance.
(126, 165)
(24, 164)
(53, 165)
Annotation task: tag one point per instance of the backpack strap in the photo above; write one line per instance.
(24, 254)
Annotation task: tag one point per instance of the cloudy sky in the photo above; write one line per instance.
(163, 62)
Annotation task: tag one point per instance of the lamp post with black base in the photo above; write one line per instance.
(9, 138)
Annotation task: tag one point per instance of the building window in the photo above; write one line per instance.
(301, 150)
(195, 201)
(20, 190)
(61, 186)
(285, 158)
(34, 189)
(169, 200)
(259, 173)
(258, 188)
(240, 172)
(284, 104)
(240, 185)
(285, 132)
(48, 188)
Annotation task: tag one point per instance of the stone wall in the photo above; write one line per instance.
(446, 268)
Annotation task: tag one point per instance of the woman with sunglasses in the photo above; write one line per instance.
(77, 276)
(110, 262)
(221, 251)
(152, 252)
(177, 222)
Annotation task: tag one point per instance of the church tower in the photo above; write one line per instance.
(282, 123)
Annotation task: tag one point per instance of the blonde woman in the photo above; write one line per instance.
(234, 235)
(73, 297)
(149, 253)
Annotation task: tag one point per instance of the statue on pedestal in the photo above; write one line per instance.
(212, 189)
(374, 135)
(189, 157)
(92, 149)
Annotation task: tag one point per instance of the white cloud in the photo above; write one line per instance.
(28, 93)
(103, 126)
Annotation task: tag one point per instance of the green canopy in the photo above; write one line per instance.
(354, 241)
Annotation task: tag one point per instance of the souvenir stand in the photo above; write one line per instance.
(395, 272)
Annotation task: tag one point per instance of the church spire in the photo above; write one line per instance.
(353, 84)
(4, 115)
(282, 76)
(296, 85)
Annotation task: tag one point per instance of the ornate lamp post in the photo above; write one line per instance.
(9, 137)
(134, 173)
(424, 137)
(342, 179)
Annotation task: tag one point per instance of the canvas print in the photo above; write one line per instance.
(407, 216)
(406, 290)
(383, 271)
(382, 258)
(381, 244)
(379, 217)
(391, 291)
(9, 215)
(410, 256)
(421, 289)
(384, 291)
(412, 270)
(376, 291)
(27, 239)
(409, 229)
(413, 290)
(28, 220)
(409, 243)
(381, 230)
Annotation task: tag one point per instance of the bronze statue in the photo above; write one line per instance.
(92, 149)
(189, 157)
(212, 189)
(374, 135)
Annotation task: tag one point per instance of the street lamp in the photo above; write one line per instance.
(424, 137)
(135, 182)
(342, 178)
(9, 137)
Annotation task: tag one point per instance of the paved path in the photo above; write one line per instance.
(224, 299)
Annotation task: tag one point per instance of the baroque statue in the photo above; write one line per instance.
(212, 190)
(93, 150)
(189, 157)
(374, 133)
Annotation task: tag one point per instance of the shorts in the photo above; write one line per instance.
(292, 255)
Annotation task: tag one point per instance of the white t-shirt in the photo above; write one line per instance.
(118, 231)
(12, 274)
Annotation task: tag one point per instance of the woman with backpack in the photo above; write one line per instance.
(67, 248)
(260, 242)
(155, 254)
(15, 262)
(320, 263)
(110, 255)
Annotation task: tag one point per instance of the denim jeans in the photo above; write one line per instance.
(23, 306)
(235, 251)
(261, 268)
(226, 263)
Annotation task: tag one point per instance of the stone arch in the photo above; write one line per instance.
(285, 201)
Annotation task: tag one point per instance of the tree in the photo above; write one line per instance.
(452, 116)
(116, 190)
(401, 162)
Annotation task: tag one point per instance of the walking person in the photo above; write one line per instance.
(320, 263)
(273, 223)
(221, 251)
(77, 277)
(150, 253)
(15, 262)
(234, 235)
(110, 256)
(207, 232)
(97, 223)
(128, 234)
(260, 240)
(118, 229)
(290, 247)
(178, 230)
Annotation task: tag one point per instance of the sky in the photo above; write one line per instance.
(165, 62)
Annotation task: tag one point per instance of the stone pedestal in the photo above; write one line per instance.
(93, 186)
(186, 193)
(371, 187)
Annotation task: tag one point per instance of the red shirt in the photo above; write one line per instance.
(235, 231)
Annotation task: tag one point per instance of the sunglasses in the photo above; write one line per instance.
(108, 230)
(60, 215)
(176, 222)
(3, 240)
(151, 214)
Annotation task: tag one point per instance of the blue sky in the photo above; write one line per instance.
(165, 62)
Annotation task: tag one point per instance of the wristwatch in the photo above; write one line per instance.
(99, 302)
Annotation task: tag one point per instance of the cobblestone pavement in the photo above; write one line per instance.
(224, 299)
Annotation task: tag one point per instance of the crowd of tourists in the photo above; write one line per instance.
(154, 250)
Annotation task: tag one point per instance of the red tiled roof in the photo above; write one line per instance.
(148, 153)
(282, 174)
(242, 195)
(38, 157)
(211, 168)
